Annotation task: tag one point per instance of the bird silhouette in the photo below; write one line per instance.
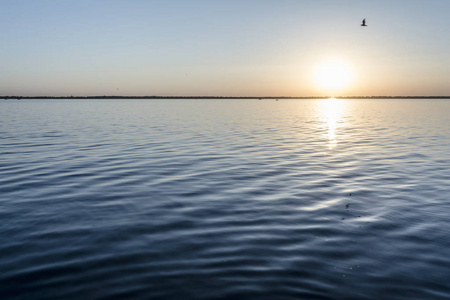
(363, 22)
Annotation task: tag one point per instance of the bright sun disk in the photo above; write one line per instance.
(333, 76)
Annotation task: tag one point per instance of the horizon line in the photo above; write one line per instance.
(224, 97)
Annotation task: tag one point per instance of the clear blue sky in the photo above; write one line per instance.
(230, 48)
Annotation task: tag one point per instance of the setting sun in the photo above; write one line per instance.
(332, 76)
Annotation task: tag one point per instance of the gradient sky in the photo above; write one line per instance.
(224, 48)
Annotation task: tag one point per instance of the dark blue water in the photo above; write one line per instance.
(224, 199)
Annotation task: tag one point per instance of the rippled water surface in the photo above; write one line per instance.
(225, 199)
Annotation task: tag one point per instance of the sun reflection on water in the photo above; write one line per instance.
(331, 111)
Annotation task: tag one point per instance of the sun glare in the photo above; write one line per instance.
(333, 76)
(331, 111)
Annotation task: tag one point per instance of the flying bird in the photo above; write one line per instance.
(364, 23)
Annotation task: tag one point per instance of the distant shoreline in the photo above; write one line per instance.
(216, 97)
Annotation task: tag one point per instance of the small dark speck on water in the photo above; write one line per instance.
(347, 206)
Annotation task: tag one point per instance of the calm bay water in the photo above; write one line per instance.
(225, 199)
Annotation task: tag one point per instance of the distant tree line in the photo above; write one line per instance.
(220, 97)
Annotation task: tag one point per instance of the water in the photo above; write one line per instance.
(224, 199)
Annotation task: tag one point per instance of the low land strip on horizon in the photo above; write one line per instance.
(220, 97)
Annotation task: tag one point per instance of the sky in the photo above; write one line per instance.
(224, 48)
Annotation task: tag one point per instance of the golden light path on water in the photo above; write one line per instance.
(331, 111)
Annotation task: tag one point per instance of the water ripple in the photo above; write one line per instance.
(224, 199)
